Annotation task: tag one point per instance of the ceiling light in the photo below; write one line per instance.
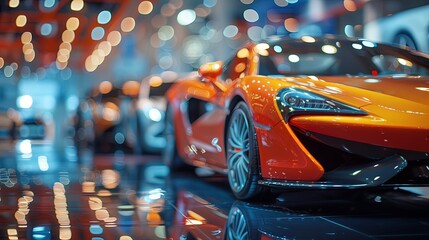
(72, 23)
(62, 58)
(247, 1)
(97, 33)
(114, 38)
(89, 66)
(251, 15)
(145, 7)
(49, 3)
(46, 29)
(26, 47)
(186, 17)
(350, 5)
(166, 33)
(230, 31)
(128, 24)
(68, 36)
(76, 5)
(66, 45)
(104, 17)
(26, 37)
(63, 51)
(21, 20)
(281, 3)
(291, 24)
(106, 47)
(13, 3)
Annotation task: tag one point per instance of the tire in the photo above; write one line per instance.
(242, 154)
(242, 224)
(170, 156)
(237, 226)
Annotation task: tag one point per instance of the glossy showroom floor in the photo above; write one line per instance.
(50, 194)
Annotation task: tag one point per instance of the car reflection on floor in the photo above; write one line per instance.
(47, 193)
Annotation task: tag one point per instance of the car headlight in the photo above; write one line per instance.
(292, 101)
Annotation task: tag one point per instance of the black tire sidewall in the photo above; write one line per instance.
(251, 189)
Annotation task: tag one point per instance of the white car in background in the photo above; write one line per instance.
(150, 111)
(408, 28)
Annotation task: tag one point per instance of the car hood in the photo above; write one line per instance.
(415, 89)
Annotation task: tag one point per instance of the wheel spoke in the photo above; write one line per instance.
(241, 229)
(245, 163)
(240, 174)
(233, 160)
(234, 143)
(234, 136)
(245, 149)
(244, 131)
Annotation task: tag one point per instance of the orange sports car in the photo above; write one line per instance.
(318, 113)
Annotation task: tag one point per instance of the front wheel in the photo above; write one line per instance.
(242, 154)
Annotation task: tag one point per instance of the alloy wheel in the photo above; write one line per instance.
(237, 226)
(238, 151)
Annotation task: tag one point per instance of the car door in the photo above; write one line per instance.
(207, 116)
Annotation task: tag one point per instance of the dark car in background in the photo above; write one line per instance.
(104, 119)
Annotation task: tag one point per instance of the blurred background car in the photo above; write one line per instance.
(409, 28)
(105, 119)
(150, 111)
(8, 124)
(32, 128)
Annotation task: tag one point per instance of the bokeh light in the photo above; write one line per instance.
(97, 33)
(128, 24)
(68, 36)
(104, 17)
(186, 17)
(251, 15)
(291, 24)
(350, 5)
(114, 38)
(230, 31)
(165, 33)
(72, 23)
(26, 37)
(21, 20)
(145, 7)
(46, 29)
(77, 5)
(13, 3)
(281, 3)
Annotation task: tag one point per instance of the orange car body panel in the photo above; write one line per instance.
(195, 141)
(284, 157)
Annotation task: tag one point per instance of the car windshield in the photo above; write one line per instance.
(338, 58)
(160, 90)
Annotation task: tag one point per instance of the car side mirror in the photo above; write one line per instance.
(210, 71)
